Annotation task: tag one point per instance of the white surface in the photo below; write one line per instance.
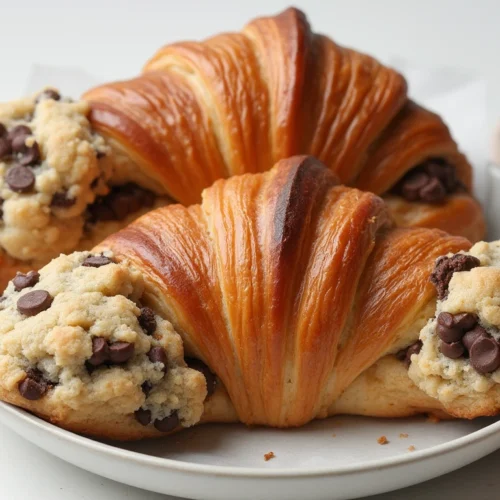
(113, 38)
(332, 460)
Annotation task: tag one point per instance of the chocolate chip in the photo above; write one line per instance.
(433, 191)
(446, 266)
(121, 352)
(146, 387)
(147, 320)
(485, 355)
(413, 184)
(465, 321)
(157, 355)
(406, 354)
(96, 261)
(120, 202)
(452, 350)
(1, 207)
(475, 334)
(20, 130)
(199, 366)
(451, 328)
(100, 352)
(20, 179)
(34, 302)
(143, 416)
(100, 154)
(167, 424)
(27, 155)
(62, 200)
(5, 147)
(48, 94)
(429, 181)
(3, 130)
(22, 281)
(33, 387)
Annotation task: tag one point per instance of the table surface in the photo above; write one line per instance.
(112, 39)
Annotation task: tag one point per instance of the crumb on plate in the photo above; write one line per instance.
(268, 456)
(411, 448)
(382, 440)
(403, 435)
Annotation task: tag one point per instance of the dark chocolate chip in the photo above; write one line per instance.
(447, 330)
(147, 320)
(20, 130)
(22, 281)
(485, 355)
(465, 321)
(167, 424)
(20, 179)
(34, 302)
(433, 191)
(100, 352)
(62, 200)
(446, 266)
(413, 184)
(452, 350)
(121, 352)
(5, 147)
(406, 354)
(96, 261)
(27, 155)
(1, 207)
(143, 416)
(157, 355)
(33, 387)
(48, 94)
(475, 334)
(3, 130)
(100, 154)
(146, 387)
(199, 366)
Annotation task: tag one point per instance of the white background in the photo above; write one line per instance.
(112, 39)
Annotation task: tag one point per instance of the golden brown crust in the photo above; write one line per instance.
(287, 285)
(238, 103)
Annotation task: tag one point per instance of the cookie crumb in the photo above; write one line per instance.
(268, 456)
(432, 419)
(403, 435)
(334, 435)
(382, 440)
(411, 448)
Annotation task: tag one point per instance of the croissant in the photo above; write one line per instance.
(72, 173)
(237, 103)
(283, 297)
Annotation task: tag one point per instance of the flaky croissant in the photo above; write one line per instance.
(237, 103)
(72, 173)
(282, 298)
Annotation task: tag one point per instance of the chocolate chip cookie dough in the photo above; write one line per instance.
(79, 347)
(62, 187)
(458, 358)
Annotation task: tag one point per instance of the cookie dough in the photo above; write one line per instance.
(79, 347)
(62, 187)
(451, 366)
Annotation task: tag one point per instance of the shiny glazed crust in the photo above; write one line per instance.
(289, 346)
(238, 103)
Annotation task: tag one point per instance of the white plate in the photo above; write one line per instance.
(222, 462)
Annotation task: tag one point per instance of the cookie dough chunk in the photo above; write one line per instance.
(79, 347)
(61, 185)
(458, 360)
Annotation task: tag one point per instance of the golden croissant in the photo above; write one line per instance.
(283, 297)
(236, 103)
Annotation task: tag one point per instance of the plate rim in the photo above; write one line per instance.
(111, 451)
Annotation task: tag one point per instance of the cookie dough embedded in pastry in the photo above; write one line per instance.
(60, 188)
(78, 347)
(459, 362)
